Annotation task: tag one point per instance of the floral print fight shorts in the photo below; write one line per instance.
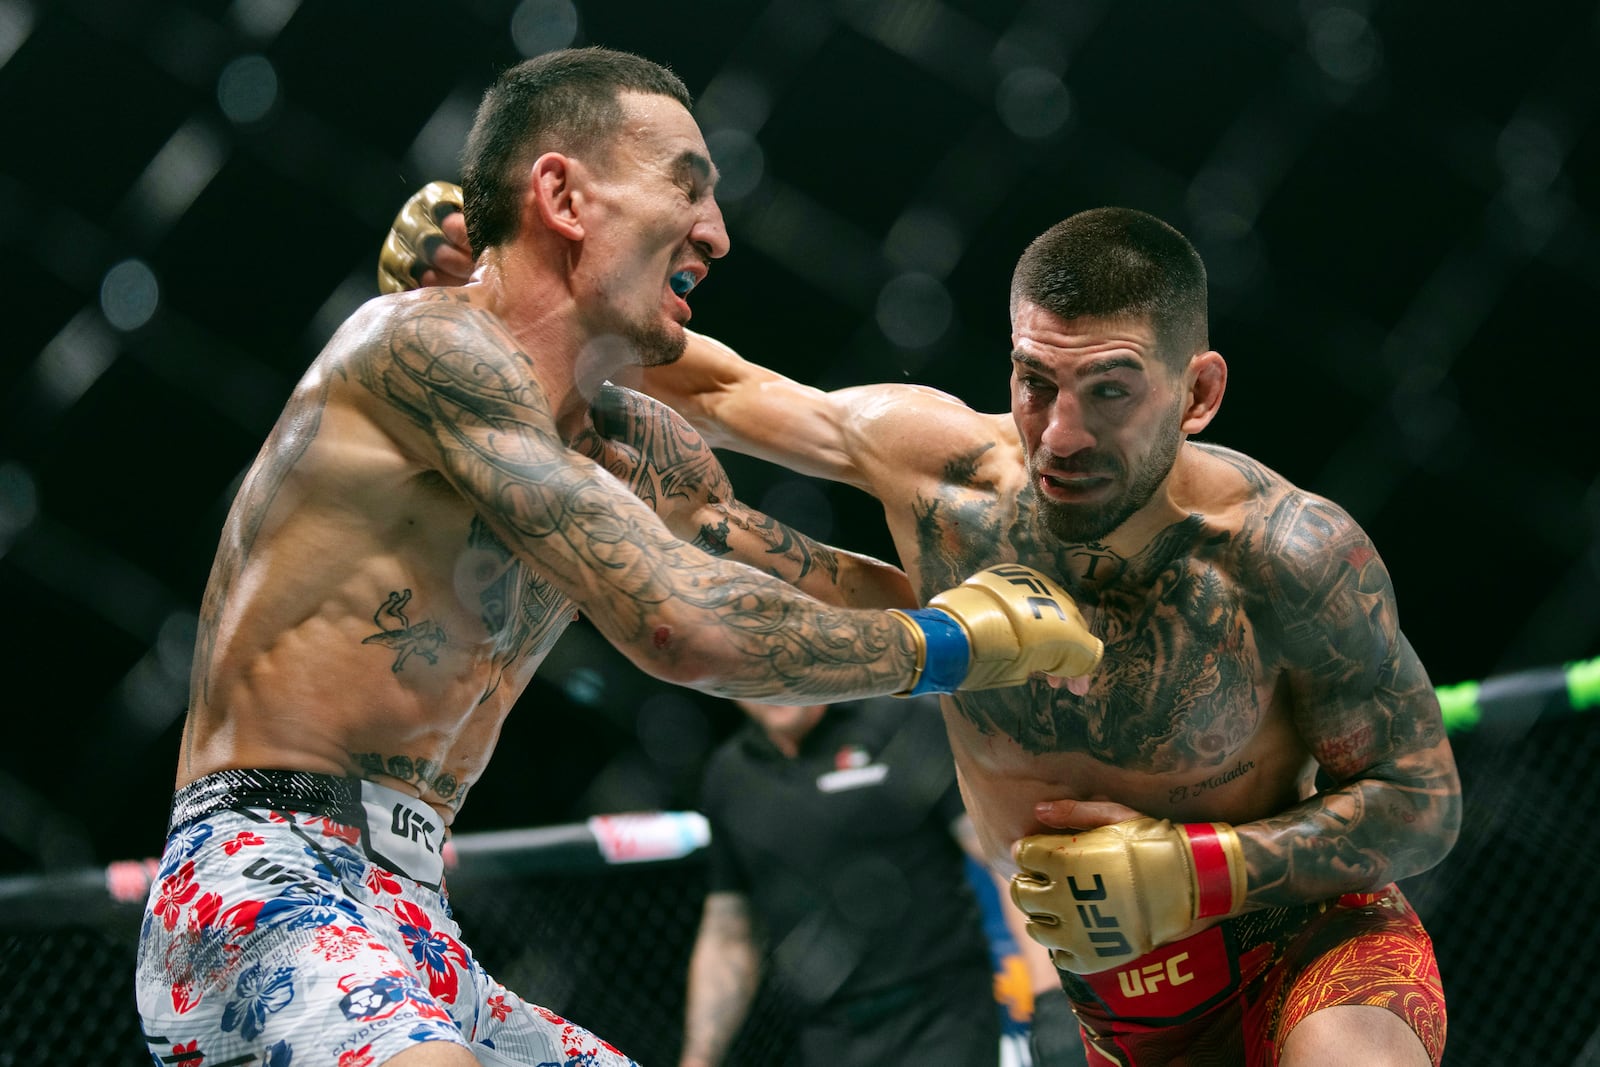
(300, 919)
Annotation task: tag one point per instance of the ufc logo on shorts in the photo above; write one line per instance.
(1103, 933)
(1142, 981)
(1023, 577)
(411, 825)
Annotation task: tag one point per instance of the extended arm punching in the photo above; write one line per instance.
(666, 463)
(678, 612)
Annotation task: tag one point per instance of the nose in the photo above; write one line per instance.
(1066, 432)
(710, 234)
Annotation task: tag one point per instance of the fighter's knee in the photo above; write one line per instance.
(1352, 1034)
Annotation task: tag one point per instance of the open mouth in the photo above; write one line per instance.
(1075, 485)
(682, 282)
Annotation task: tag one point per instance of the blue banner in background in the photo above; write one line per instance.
(1013, 990)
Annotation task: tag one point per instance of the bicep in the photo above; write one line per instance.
(748, 408)
(1363, 702)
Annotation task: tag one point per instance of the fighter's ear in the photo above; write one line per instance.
(1204, 380)
(553, 195)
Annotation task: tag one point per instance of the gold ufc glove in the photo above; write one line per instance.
(996, 628)
(416, 230)
(1106, 896)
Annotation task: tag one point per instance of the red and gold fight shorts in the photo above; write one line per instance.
(1232, 993)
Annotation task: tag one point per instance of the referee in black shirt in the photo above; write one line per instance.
(836, 863)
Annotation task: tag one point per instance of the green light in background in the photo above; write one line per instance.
(1460, 706)
(1583, 684)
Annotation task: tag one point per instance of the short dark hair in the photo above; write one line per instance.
(564, 101)
(1111, 262)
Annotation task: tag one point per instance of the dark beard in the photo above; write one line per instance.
(1080, 524)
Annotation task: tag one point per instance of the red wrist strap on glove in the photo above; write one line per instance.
(1218, 868)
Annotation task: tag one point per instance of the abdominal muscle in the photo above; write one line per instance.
(344, 656)
(298, 707)
(1001, 783)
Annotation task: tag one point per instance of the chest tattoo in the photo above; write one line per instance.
(522, 611)
(1177, 690)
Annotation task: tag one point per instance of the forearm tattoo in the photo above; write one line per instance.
(723, 979)
(658, 455)
(1365, 704)
(454, 373)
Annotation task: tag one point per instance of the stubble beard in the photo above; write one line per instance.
(1085, 523)
(656, 345)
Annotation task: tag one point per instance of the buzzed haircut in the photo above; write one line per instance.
(1115, 262)
(562, 101)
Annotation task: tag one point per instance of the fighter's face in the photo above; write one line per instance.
(1099, 415)
(656, 227)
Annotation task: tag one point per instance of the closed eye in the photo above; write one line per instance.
(1035, 386)
(695, 175)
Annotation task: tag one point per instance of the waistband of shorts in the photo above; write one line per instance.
(398, 832)
(326, 795)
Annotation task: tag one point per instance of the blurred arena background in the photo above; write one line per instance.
(1397, 204)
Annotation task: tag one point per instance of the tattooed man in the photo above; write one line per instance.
(1261, 754)
(448, 483)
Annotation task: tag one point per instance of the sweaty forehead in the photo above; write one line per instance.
(659, 129)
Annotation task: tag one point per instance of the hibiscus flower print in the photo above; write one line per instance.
(547, 1015)
(299, 908)
(259, 993)
(243, 839)
(343, 863)
(176, 891)
(381, 882)
(328, 828)
(184, 997)
(356, 1057)
(435, 952)
(182, 845)
(205, 911)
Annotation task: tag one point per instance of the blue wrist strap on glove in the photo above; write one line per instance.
(948, 652)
